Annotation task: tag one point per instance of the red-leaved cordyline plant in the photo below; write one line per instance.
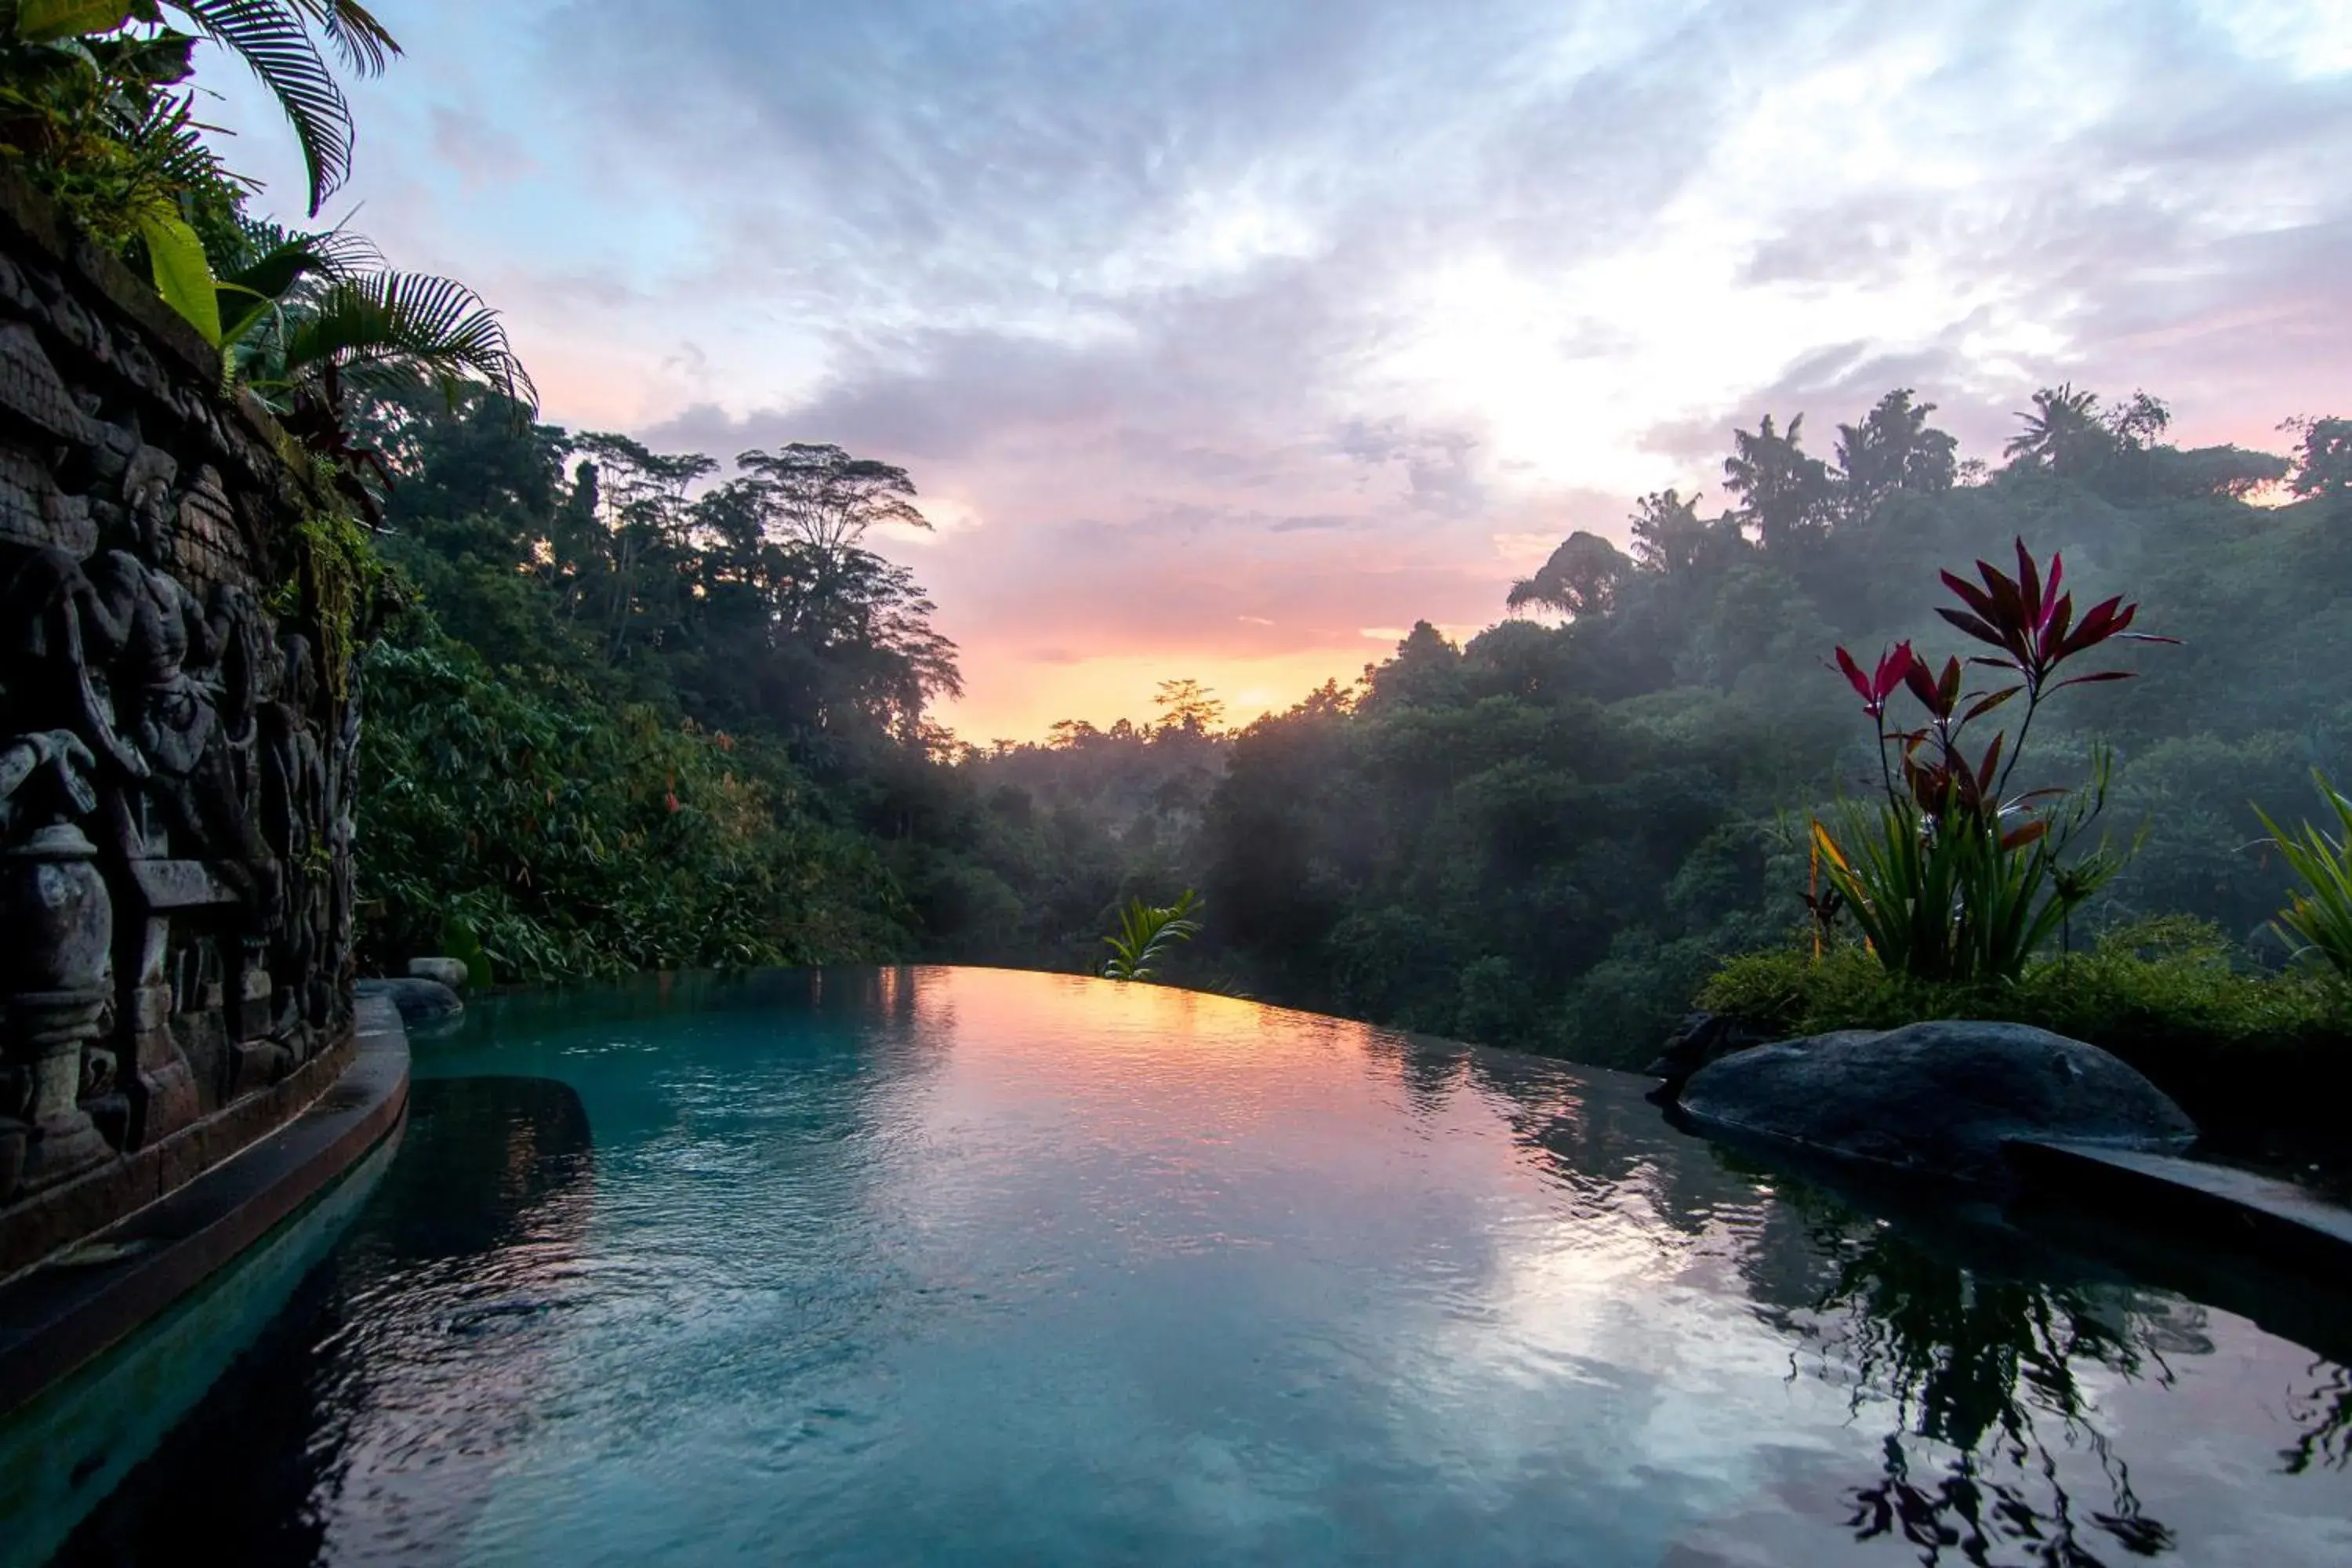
(1957, 880)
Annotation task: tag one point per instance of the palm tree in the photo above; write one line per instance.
(2062, 434)
(1785, 493)
(1668, 536)
(1894, 448)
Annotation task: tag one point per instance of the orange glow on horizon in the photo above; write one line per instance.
(1020, 700)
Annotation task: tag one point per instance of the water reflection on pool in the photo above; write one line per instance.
(983, 1267)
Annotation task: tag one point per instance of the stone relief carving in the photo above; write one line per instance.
(175, 795)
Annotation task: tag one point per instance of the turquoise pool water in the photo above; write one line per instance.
(977, 1267)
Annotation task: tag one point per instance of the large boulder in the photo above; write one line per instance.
(424, 1004)
(1934, 1100)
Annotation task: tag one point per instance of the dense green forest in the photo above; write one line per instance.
(633, 712)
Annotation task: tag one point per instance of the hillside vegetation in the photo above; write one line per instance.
(638, 714)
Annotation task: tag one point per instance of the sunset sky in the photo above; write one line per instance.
(1225, 339)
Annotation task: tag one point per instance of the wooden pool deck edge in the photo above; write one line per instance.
(65, 1312)
(2274, 1219)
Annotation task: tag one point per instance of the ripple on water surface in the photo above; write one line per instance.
(974, 1266)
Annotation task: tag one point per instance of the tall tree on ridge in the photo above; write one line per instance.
(1189, 706)
(1894, 448)
(820, 496)
(1581, 579)
(1670, 537)
(1785, 495)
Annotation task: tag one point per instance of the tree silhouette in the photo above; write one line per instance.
(1894, 448)
(821, 496)
(1188, 705)
(1580, 580)
(1669, 536)
(1786, 495)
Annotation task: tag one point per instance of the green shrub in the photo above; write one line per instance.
(2165, 994)
(513, 820)
(2170, 979)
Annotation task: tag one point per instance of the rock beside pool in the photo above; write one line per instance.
(449, 971)
(1934, 1100)
(1701, 1038)
(422, 1004)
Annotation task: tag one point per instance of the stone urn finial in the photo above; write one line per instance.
(57, 971)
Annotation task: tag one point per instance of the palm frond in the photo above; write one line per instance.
(163, 137)
(364, 42)
(388, 327)
(273, 37)
(1145, 934)
(254, 285)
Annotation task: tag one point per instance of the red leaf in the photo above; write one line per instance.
(1893, 665)
(1991, 762)
(1922, 687)
(1991, 703)
(1973, 626)
(1972, 595)
(2054, 627)
(1854, 678)
(2100, 620)
(2007, 601)
(2018, 838)
(2086, 680)
(1931, 787)
(2029, 584)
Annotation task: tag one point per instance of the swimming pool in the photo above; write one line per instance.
(971, 1266)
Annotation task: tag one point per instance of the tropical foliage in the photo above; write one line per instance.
(97, 106)
(2319, 918)
(1952, 876)
(558, 836)
(636, 715)
(1552, 837)
(97, 109)
(1147, 934)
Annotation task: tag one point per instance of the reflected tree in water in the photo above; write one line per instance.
(1985, 1378)
(2324, 1412)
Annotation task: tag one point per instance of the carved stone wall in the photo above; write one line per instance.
(175, 753)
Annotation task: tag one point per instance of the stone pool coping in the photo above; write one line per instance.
(2277, 1220)
(62, 1313)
